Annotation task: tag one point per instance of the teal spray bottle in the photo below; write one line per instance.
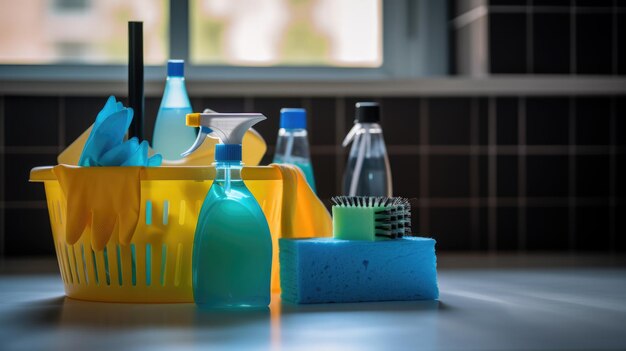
(232, 252)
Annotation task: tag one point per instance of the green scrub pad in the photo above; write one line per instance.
(325, 270)
(365, 218)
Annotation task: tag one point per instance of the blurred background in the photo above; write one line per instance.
(505, 120)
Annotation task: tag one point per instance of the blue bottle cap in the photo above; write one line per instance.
(227, 152)
(176, 68)
(293, 118)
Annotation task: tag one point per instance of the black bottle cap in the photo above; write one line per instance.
(367, 112)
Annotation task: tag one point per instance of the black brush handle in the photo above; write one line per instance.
(135, 78)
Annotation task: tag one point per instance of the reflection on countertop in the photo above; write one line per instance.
(556, 306)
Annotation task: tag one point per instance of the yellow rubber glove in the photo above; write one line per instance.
(98, 198)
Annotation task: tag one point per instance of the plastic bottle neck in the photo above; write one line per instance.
(175, 95)
(370, 127)
(227, 172)
(175, 82)
(296, 132)
(234, 167)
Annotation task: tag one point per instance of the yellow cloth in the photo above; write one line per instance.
(303, 214)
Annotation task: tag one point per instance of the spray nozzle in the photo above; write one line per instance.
(228, 127)
(193, 120)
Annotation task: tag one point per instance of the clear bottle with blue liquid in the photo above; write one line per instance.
(292, 146)
(232, 252)
(171, 136)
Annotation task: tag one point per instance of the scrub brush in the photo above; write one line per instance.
(365, 218)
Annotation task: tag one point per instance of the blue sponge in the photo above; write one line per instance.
(325, 270)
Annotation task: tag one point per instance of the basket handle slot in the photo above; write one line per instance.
(133, 264)
(148, 212)
(166, 210)
(163, 263)
(148, 264)
(119, 264)
(75, 264)
(82, 256)
(69, 265)
(95, 267)
(179, 265)
(106, 266)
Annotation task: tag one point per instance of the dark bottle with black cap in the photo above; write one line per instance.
(367, 172)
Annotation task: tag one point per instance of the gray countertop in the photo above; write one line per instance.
(486, 303)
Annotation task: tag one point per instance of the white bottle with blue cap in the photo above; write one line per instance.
(292, 146)
(171, 136)
(232, 247)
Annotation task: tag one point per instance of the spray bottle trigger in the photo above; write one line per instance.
(204, 132)
(348, 139)
(193, 120)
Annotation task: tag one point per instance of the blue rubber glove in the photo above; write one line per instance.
(105, 145)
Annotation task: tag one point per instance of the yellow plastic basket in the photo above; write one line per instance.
(156, 266)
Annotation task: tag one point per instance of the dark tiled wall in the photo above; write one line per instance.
(485, 173)
(554, 36)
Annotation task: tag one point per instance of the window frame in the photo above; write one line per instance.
(415, 44)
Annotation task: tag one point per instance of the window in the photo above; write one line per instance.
(80, 31)
(225, 39)
(340, 33)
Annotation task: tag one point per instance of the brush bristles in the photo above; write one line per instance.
(392, 215)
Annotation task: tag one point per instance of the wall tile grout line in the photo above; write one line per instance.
(33, 204)
(306, 105)
(424, 210)
(502, 149)
(545, 202)
(571, 207)
(474, 175)
(613, 176)
(340, 111)
(453, 150)
(550, 9)
(492, 174)
(2, 178)
(522, 236)
(30, 150)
